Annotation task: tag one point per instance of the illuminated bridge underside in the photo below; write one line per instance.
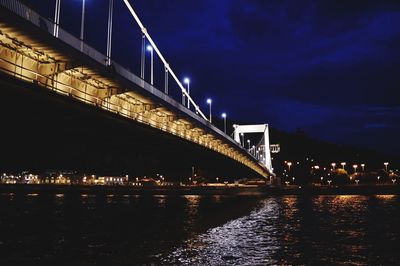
(31, 58)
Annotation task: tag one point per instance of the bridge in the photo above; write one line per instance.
(38, 51)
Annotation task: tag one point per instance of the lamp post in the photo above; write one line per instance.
(343, 164)
(289, 164)
(386, 165)
(187, 81)
(355, 168)
(150, 49)
(224, 117)
(333, 166)
(209, 102)
(82, 23)
(363, 166)
(248, 143)
(242, 135)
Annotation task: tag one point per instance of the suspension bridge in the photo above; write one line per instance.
(38, 51)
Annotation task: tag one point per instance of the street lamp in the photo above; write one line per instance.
(242, 135)
(355, 168)
(209, 102)
(333, 166)
(224, 117)
(363, 166)
(187, 81)
(289, 164)
(386, 166)
(343, 164)
(150, 49)
(248, 143)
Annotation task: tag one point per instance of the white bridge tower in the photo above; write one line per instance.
(261, 151)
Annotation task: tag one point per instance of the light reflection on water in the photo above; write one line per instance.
(301, 230)
(86, 229)
(234, 242)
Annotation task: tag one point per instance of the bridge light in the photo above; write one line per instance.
(224, 117)
(209, 101)
(187, 81)
(149, 48)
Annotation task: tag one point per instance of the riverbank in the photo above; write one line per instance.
(204, 190)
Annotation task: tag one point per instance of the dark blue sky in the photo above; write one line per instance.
(331, 68)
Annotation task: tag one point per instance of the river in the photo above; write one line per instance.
(84, 229)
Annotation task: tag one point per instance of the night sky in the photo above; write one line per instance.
(329, 68)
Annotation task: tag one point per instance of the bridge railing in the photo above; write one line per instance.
(28, 14)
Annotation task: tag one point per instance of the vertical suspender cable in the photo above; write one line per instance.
(166, 81)
(109, 32)
(143, 57)
(56, 18)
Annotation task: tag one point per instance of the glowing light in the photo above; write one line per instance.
(386, 166)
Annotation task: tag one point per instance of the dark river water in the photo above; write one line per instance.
(80, 229)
